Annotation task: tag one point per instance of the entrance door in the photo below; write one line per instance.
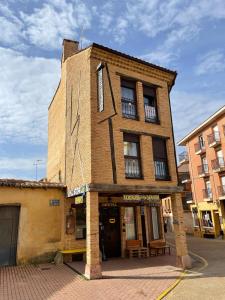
(9, 219)
(110, 242)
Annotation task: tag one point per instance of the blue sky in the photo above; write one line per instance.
(186, 36)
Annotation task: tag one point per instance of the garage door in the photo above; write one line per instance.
(9, 219)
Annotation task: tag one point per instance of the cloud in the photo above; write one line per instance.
(48, 25)
(26, 89)
(21, 164)
(211, 62)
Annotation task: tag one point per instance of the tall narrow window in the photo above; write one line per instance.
(201, 142)
(130, 223)
(150, 104)
(100, 88)
(155, 216)
(128, 94)
(160, 159)
(80, 223)
(132, 156)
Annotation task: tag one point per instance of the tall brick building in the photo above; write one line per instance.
(111, 143)
(206, 151)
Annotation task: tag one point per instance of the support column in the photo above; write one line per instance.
(183, 258)
(93, 264)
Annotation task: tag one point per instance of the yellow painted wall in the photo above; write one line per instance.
(41, 226)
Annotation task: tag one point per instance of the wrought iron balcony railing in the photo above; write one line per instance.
(161, 170)
(132, 168)
(203, 170)
(207, 194)
(221, 190)
(183, 157)
(214, 138)
(150, 114)
(218, 164)
(199, 148)
(129, 109)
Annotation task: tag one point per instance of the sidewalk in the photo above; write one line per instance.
(123, 279)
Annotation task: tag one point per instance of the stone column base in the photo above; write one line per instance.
(184, 262)
(93, 271)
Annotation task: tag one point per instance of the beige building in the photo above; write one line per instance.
(111, 143)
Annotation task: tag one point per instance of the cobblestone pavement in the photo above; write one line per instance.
(123, 279)
(207, 282)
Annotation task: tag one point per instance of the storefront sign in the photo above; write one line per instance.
(54, 202)
(77, 191)
(79, 199)
(150, 198)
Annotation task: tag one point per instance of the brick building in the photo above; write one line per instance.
(111, 143)
(206, 149)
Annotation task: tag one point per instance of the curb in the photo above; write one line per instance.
(184, 273)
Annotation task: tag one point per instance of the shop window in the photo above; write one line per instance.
(80, 223)
(156, 223)
(130, 223)
(160, 159)
(132, 156)
(195, 217)
(207, 219)
(128, 99)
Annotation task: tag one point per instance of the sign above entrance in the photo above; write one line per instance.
(149, 198)
(79, 199)
(77, 191)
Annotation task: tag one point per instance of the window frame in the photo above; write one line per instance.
(100, 68)
(129, 84)
(133, 138)
(84, 235)
(160, 229)
(145, 86)
(165, 160)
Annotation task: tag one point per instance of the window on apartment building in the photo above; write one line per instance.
(222, 187)
(208, 189)
(207, 218)
(80, 223)
(156, 223)
(128, 98)
(195, 217)
(132, 156)
(205, 167)
(201, 141)
(220, 159)
(100, 87)
(129, 218)
(160, 158)
(150, 104)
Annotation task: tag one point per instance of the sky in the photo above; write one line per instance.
(187, 36)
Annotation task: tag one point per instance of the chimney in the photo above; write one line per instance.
(69, 48)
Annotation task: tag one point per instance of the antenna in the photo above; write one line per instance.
(36, 163)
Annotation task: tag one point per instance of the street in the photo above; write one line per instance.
(207, 280)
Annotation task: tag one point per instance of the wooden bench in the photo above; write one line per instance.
(158, 248)
(66, 255)
(134, 249)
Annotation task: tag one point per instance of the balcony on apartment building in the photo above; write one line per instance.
(199, 148)
(185, 178)
(188, 197)
(207, 195)
(150, 114)
(214, 139)
(129, 109)
(203, 170)
(183, 157)
(161, 170)
(132, 168)
(221, 191)
(218, 164)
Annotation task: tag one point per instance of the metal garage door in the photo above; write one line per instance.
(9, 219)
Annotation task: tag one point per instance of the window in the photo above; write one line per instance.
(129, 218)
(156, 227)
(201, 142)
(100, 88)
(160, 158)
(208, 190)
(205, 167)
(128, 93)
(150, 104)
(220, 159)
(195, 217)
(132, 156)
(207, 219)
(80, 223)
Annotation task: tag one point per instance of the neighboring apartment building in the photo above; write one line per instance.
(206, 152)
(186, 196)
(111, 143)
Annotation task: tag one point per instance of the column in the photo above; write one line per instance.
(183, 259)
(93, 264)
(138, 221)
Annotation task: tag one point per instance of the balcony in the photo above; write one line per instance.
(218, 164)
(188, 197)
(183, 157)
(161, 170)
(199, 148)
(203, 170)
(129, 109)
(150, 114)
(207, 195)
(132, 168)
(221, 192)
(214, 139)
(185, 178)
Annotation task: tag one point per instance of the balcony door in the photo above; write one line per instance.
(219, 155)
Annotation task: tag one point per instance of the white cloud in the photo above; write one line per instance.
(26, 89)
(211, 62)
(47, 26)
(20, 164)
